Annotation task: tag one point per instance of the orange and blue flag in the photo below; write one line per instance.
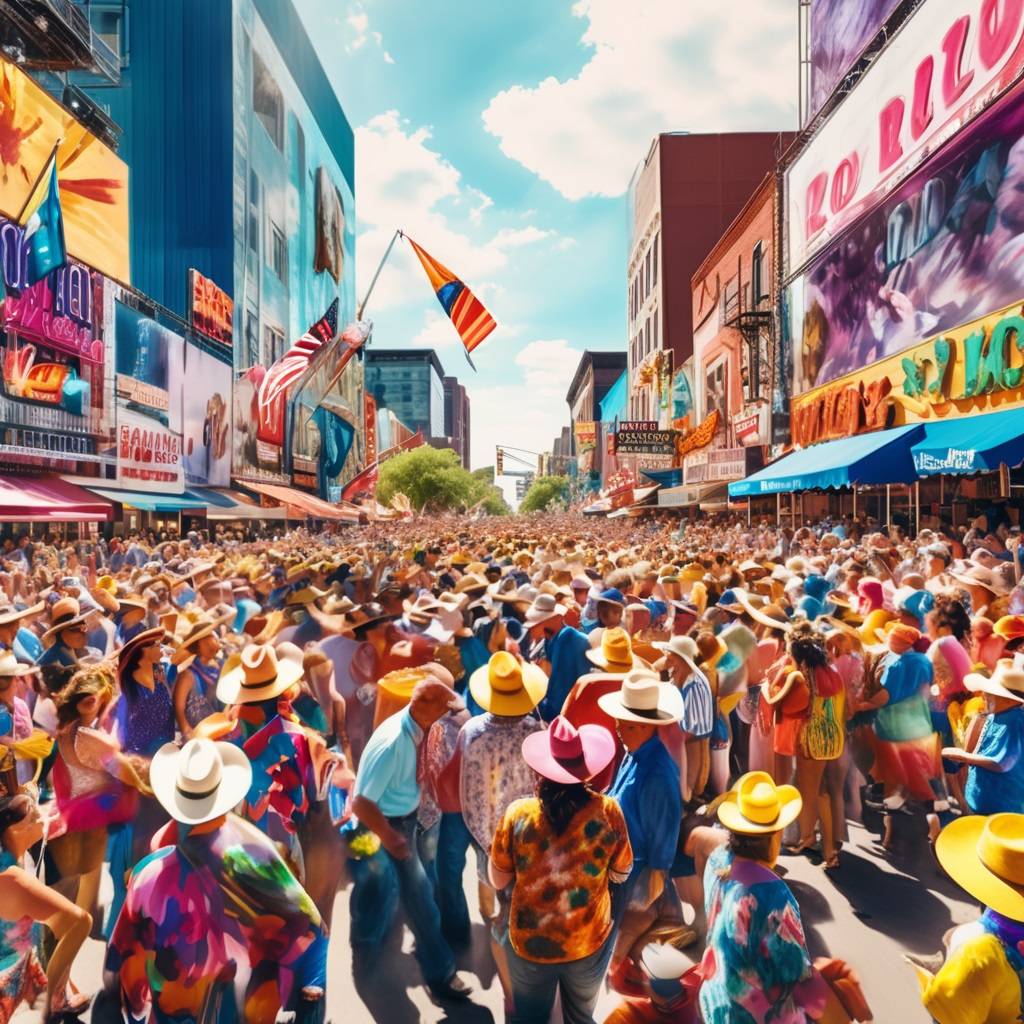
(463, 308)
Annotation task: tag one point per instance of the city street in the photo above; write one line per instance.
(870, 913)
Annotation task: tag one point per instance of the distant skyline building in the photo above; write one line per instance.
(456, 418)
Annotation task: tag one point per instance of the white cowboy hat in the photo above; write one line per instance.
(10, 666)
(1006, 681)
(257, 676)
(683, 647)
(544, 607)
(643, 698)
(200, 781)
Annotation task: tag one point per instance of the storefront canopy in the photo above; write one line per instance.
(146, 502)
(971, 444)
(26, 499)
(882, 457)
(685, 497)
(308, 504)
(230, 506)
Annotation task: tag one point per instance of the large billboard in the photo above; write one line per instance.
(93, 180)
(206, 417)
(150, 366)
(949, 60)
(943, 249)
(840, 30)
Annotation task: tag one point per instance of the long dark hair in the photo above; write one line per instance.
(807, 648)
(561, 802)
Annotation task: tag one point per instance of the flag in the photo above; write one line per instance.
(463, 308)
(365, 484)
(44, 225)
(273, 392)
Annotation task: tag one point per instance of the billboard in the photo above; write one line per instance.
(211, 311)
(840, 30)
(148, 454)
(206, 418)
(93, 180)
(943, 249)
(150, 365)
(948, 61)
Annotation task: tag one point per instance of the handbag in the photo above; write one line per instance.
(821, 737)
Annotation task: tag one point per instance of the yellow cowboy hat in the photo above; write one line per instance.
(615, 655)
(985, 856)
(872, 624)
(508, 687)
(756, 806)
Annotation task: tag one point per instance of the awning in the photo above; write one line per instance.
(715, 499)
(882, 457)
(971, 444)
(310, 505)
(212, 498)
(29, 499)
(664, 477)
(684, 497)
(147, 502)
(229, 506)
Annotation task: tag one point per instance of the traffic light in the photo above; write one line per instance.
(499, 463)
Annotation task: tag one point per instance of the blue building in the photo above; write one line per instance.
(242, 168)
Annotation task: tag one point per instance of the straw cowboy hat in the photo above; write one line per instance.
(757, 806)
(305, 595)
(65, 614)
(9, 614)
(683, 647)
(508, 687)
(643, 698)
(185, 654)
(563, 753)
(1007, 681)
(201, 781)
(402, 681)
(615, 655)
(257, 676)
(985, 856)
(544, 607)
(10, 666)
(422, 609)
(770, 614)
(980, 576)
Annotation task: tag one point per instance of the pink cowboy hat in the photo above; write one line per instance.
(563, 753)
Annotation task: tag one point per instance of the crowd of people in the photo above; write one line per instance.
(628, 723)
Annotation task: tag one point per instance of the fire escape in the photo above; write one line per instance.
(747, 309)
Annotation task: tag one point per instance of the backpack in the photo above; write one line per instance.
(822, 735)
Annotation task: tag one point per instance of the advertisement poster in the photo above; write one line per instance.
(93, 180)
(251, 458)
(150, 367)
(942, 250)
(715, 395)
(211, 310)
(148, 455)
(840, 29)
(330, 227)
(949, 61)
(206, 414)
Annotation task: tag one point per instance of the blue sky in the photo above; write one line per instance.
(502, 137)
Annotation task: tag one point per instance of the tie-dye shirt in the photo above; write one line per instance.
(561, 907)
(198, 913)
(756, 956)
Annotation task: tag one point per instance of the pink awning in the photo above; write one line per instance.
(36, 499)
(307, 504)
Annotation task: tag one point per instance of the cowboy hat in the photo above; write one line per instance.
(615, 654)
(10, 666)
(979, 576)
(471, 583)
(1007, 681)
(132, 601)
(770, 614)
(184, 655)
(612, 596)
(872, 624)
(402, 682)
(683, 647)
(643, 698)
(985, 856)
(730, 602)
(200, 781)
(508, 687)
(544, 607)
(305, 595)
(9, 613)
(257, 676)
(756, 806)
(563, 753)
(65, 614)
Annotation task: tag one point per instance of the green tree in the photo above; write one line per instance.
(544, 492)
(433, 480)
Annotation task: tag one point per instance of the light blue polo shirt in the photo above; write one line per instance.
(387, 769)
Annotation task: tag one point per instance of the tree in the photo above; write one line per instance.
(433, 479)
(544, 492)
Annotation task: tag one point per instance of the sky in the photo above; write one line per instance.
(502, 137)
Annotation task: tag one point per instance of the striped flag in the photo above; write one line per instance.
(273, 392)
(462, 307)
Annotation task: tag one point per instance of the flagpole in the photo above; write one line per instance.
(39, 178)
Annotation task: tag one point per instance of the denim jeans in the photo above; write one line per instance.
(534, 986)
(443, 850)
(380, 883)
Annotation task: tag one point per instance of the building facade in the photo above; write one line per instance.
(409, 382)
(456, 418)
(595, 375)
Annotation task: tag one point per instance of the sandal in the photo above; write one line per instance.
(796, 849)
(831, 863)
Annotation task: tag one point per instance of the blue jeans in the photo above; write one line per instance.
(380, 883)
(534, 986)
(443, 850)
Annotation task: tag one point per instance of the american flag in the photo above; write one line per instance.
(288, 369)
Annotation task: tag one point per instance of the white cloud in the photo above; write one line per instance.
(358, 22)
(656, 65)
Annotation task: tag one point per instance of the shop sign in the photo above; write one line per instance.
(645, 442)
(586, 435)
(949, 61)
(211, 309)
(715, 465)
(148, 455)
(638, 425)
(976, 368)
(750, 426)
(305, 480)
(701, 436)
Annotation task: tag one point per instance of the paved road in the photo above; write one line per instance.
(869, 912)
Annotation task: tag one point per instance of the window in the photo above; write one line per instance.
(273, 344)
(654, 257)
(657, 340)
(300, 156)
(108, 25)
(757, 273)
(252, 337)
(267, 101)
(254, 212)
(278, 255)
(647, 274)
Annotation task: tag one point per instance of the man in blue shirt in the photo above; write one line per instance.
(565, 651)
(385, 799)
